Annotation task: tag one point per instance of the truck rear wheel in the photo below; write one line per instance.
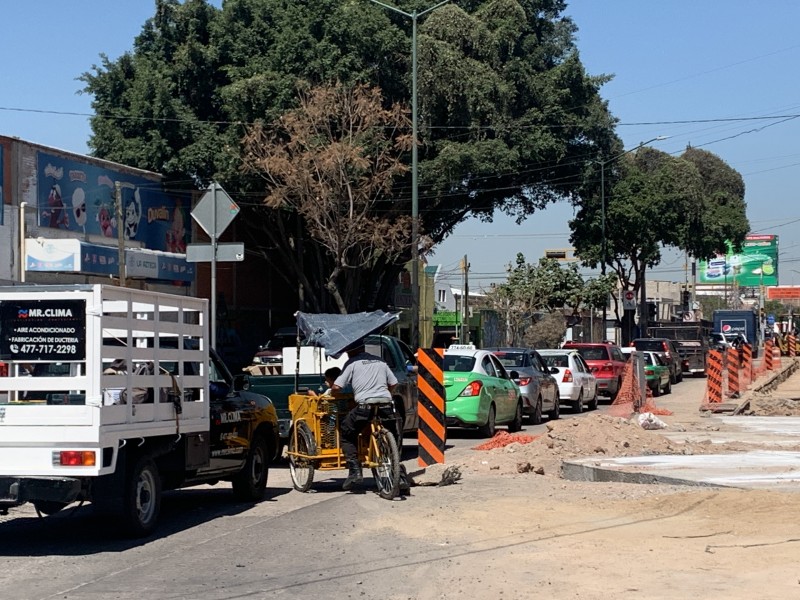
(249, 483)
(142, 498)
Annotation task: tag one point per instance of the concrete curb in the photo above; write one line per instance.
(581, 472)
(770, 384)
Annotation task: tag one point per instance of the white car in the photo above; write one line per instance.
(576, 384)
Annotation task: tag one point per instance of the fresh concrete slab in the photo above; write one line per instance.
(764, 469)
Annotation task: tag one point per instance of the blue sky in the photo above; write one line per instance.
(675, 60)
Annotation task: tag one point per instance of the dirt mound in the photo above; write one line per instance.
(593, 435)
(769, 406)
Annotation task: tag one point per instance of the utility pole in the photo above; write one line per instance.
(465, 303)
(414, 16)
(120, 234)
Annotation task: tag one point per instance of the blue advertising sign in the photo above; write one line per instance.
(2, 204)
(75, 256)
(80, 197)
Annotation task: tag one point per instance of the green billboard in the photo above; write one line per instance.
(756, 264)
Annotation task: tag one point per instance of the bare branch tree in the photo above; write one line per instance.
(334, 160)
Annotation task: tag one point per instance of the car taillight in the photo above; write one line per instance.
(75, 458)
(524, 380)
(666, 349)
(473, 389)
(567, 376)
(649, 372)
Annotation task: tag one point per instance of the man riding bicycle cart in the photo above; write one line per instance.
(341, 429)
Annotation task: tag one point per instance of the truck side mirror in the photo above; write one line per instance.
(241, 382)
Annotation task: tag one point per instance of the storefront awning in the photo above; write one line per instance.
(76, 256)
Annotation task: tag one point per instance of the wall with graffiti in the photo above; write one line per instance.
(80, 197)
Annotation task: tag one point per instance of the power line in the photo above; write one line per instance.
(442, 127)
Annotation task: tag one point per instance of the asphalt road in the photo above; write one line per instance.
(326, 543)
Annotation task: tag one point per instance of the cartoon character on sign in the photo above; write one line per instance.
(58, 217)
(105, 221)
(176, 235)
(79, 207)
(133, 214)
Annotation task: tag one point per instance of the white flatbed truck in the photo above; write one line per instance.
(82, 420)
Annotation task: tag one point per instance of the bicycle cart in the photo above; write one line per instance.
(315, 437)
(315, 443)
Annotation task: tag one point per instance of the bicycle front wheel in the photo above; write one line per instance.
(301, 441)
(387, 471)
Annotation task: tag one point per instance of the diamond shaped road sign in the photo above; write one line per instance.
(215, 211)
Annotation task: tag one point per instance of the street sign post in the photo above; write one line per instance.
(205, 253)
(215, 211)
(628, 300)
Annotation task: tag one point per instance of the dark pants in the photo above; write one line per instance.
(357, 419)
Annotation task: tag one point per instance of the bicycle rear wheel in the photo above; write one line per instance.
(301, 469)
(387, 473)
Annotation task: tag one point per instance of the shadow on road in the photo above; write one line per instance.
(78, 531)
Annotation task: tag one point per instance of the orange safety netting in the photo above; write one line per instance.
(650, 406)
(628, 396)
(503, 438)
(629, 400)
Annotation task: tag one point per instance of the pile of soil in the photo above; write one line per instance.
(594, 435)
(769, 406)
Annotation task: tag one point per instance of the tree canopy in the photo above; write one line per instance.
(694, 203)
(507, 114)
(333, 160)
(534, 291)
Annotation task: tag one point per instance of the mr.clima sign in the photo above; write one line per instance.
(50, 330)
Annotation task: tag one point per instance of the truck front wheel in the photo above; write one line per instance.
(142, 498)
(249, 483)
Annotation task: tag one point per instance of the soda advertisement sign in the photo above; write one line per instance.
(756, 264)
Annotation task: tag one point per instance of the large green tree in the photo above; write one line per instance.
(508, 115)
(694, 203)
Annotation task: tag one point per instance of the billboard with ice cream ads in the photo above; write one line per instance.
(756, 264)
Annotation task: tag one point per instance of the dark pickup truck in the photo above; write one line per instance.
(398, 356)
(692, 341)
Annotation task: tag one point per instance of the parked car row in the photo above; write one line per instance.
(501, 386)
(488, 387)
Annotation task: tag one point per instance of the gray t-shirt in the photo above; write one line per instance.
(369, 377)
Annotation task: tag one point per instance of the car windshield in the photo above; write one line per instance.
(556, 360)
(511, 359)
(279, 342)
(455, 362)
(593, 353)
(651, 345)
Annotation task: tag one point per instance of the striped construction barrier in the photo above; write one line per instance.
(748, 373)
(714, 377)
(733, 373)
(792, 343)
(768, 357)
(432, 432)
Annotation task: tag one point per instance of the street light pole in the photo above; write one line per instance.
(604, 243)
(414, 16)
